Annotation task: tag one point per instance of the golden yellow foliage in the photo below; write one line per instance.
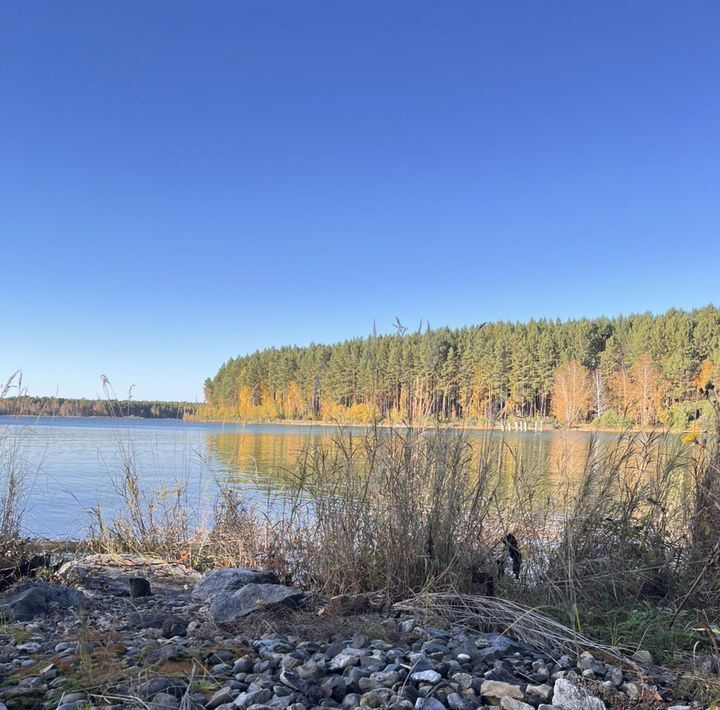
(706, 379)
(571, 393)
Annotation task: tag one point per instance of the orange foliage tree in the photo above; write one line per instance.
(705, 381)
(572, 392)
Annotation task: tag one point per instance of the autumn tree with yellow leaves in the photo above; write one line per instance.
(572, 393)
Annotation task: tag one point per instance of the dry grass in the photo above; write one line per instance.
(16, 478)
(396, 510)
(481, 613)
(155, 521)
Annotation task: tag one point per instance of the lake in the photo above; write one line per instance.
(70, 462)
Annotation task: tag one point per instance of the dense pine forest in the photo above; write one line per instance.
(640, 370)
(63, 407)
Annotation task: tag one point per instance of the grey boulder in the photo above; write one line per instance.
(37, 599)
(226, 581)
(252, 598)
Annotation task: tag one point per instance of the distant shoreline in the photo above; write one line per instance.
(325, 424)
(548, 427)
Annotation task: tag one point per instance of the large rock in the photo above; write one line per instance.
(226, 581)
(251, 598)
(101, 575)
(37, 599)
(570, 697)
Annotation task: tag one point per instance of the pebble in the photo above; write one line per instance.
(426, 676)
(496, 690)
(644, 658)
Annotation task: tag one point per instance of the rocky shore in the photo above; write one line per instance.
(93, 637)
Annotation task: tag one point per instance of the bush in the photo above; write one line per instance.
(612, 420)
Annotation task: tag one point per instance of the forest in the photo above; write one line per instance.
(63, 407)
(639, 370)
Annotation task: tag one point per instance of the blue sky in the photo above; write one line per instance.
(181, 182)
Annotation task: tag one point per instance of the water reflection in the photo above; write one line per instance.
(73, 460)
(267, 458)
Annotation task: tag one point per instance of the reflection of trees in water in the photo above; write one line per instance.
(548, 465)
(263, 460)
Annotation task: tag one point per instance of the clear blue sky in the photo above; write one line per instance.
(181, 182)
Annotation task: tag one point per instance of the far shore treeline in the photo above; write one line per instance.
(641, 370)
(64, 407)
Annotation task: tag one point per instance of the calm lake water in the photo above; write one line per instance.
(71, 461)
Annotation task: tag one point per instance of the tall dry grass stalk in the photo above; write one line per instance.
(156, 521)
(16, 477)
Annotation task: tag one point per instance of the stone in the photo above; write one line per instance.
(504, 676)
(366, 684)
(513, 704)
(586, 661)
(170, 624)
(255, 697)
(162, 684)
(293, 681)
(139, 587)
(426, 677)
(541, 692)
(243, 665)
(252, 598)
(360, 641)
(644, 658)
(174, 626)
(407, 625)
(30, 600)
(335, 687)
(571, 697)
(221, 697)
(457, 702)
(387, 678)
(420, 662)
(154, 620)
(499, 646)
(496, 690)
(378, 698)
(221, 670)
(615, 676)
(632, 690)
(347, 657)
(164, 701)
(464, 680)
(222, 582)
(429, 704)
